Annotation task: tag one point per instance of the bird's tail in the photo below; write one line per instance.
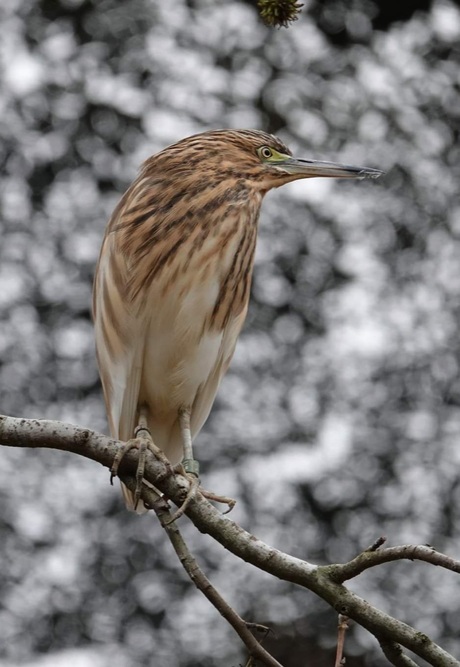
(128, 497)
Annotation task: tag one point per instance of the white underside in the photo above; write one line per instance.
(183, 362)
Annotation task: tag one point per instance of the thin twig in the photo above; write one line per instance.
(370, 558)
(342, 628)
(196, 574)
(394, 653)
(380, 541)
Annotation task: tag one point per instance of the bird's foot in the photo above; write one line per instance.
(194, 484)
(143, 442)
(188, 471)
(223, 500)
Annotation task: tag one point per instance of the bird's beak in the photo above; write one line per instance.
(310, 168)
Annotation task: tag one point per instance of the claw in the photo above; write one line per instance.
(191, 493)
(143, 442)
(140, 471)
(127, 446)
(223, 500)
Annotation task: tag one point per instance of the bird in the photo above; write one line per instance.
(172, 283)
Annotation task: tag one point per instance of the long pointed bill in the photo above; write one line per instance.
(311, 168)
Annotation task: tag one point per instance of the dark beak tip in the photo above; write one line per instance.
(373, 173)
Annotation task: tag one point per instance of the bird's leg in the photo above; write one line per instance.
(190, 466)
(142, 441)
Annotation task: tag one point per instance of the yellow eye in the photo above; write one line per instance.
(265, 152)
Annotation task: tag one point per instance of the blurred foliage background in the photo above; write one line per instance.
(339, 420)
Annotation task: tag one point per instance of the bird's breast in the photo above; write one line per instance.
(189, 307)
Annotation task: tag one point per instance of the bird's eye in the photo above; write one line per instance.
(265, 152)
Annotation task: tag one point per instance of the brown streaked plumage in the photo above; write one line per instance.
(172, 283)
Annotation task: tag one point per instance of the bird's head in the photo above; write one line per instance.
(260, 159)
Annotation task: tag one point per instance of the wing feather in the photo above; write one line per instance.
(207, 392)
(120, 339)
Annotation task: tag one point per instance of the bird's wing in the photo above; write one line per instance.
(120, 337)
(208, 390)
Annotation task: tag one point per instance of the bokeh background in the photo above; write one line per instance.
(339, 420)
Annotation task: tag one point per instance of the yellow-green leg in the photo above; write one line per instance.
(191, 466)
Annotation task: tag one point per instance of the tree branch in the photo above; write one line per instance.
(324, 581)
(395, 654)
(196, 574)
(368, 559)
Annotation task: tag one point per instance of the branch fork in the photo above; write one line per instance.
(326, 581)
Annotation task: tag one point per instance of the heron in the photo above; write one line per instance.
(172, 284)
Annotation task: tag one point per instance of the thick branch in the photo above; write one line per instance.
(320, 580)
